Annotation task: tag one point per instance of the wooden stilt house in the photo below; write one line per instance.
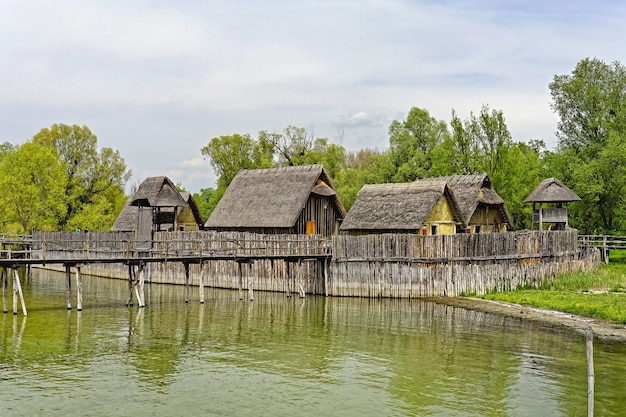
(424, 208)
(289, 200)
(482, 209)
(556, 195)
(157, 206)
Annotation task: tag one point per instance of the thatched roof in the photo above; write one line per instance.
(470, 191)
(551, 190)
(271, 198)
(402, 206)
(157, 192)
(154, 192)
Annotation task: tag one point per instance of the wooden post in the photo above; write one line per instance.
(139, 281)
(186, 282)
(325, 267)
(5, 283)
(68, 278)
(130, 285)
(287, 279)
(17, 290)
(79, 289)
(299, 277)
(590, 372)
(250, 291)
(201, 282)
(240, 282)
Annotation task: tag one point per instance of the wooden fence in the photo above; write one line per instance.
(412, 266)
(387, 265)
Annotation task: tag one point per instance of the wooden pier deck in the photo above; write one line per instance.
(75, 250)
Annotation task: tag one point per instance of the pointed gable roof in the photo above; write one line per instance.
(403, 206)
(152, 192)
(271, 198)
(472, 190)
(551, 190)
(157, 192)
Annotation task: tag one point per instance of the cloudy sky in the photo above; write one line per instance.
(156, 80)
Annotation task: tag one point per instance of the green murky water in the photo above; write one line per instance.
(280, 356)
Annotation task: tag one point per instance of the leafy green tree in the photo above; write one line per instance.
(92, 174)
(367, 166)
(203, 199)
(591, 104)
(411, 143)
(32, 184)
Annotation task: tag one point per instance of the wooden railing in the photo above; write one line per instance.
(606, 243)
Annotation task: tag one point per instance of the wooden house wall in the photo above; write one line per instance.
(488, 218)
(323, 212)
(442, 217)
(186, 220)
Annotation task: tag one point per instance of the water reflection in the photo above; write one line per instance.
(276, 355)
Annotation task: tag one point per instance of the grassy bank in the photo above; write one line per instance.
(599, 294)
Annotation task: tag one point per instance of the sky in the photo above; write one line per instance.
(157, 80)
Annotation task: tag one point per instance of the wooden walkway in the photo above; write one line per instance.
(74, 250)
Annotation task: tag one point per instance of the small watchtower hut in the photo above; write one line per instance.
(155, 206)
(553, 192)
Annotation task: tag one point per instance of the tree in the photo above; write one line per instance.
(94, 177)
(411, 143)
(32, 184)
(591, 104)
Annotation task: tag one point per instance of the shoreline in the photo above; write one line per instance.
(602, 329)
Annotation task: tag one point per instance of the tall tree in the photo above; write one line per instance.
(94, 176)
(32, 185)
(411, 143)
(591, 104)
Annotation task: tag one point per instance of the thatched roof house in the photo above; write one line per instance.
(482, 209)
(159, 205)
(294, 200)
(554, 192)
(428, 208)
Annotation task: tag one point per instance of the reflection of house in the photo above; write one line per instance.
(157, 205)
(428, 208)
(294, 200)
(554, 192)
(482, 209)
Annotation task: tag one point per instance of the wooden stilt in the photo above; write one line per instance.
(131, 272)
(287, 279)
(68, 279)
(325, 268)
(240, 282)
(186, 282)
(201, 283)
(590, 372)
(141, 278)
(299, 276)
(18, 291)
(5, 284)
(79, 289)
(250, 283)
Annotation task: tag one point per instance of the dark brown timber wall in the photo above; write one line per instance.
(387, 265)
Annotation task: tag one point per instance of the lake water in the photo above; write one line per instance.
(288, 356)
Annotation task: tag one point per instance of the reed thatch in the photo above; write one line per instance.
(157, 192)
(551, 190)
(470, 191)
(271, 198)
(397, 207)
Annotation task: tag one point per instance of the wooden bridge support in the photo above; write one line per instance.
(201, 283)
(17, 292)
(248, 279)
(79, 287)
(5, 284)
(136, 285)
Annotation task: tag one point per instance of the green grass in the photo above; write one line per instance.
(599, 294)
